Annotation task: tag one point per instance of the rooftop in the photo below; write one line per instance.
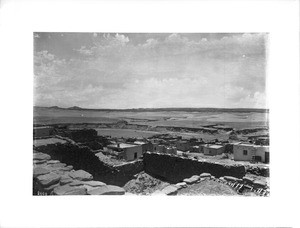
(213, 146)
(251, 145)
(122, 145)
(139, 143)
(245, 144)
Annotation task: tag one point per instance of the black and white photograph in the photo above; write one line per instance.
(154, 114)
(150, 114)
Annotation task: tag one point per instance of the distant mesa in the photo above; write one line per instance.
(54, 107)
(75, 107)
(218, 110)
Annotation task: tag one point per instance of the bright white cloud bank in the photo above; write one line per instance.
(173, 71)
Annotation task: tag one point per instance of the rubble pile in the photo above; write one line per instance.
(51, 177)
(241, 186)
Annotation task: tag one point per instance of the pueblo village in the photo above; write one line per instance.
(129, 158)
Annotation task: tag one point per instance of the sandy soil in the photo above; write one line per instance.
(126, 133)
(207, 187)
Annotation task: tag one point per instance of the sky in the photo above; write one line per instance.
(149, 70)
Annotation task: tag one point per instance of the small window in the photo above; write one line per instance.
(135, 155)
(245, 152)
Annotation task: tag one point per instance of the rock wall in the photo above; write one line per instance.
(51, 177)
(259, 171)
(83, 158)
(131, 167)
(174, 169)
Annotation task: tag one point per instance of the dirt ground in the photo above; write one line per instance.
(207, 187)
(163, 118)
(126, 133)
(144, 184)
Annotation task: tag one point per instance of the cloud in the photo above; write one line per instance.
(85, 51)
(234, 46)
(176, 38)
(150, 43)
(116, 71)
(122, 39)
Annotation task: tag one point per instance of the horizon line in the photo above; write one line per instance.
(78, 107)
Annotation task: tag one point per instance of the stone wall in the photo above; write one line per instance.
(174, 168)
(81, 157)
(258, 170)
(52, 177)
(133, 167)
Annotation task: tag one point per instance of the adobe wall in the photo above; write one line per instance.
(174, 168)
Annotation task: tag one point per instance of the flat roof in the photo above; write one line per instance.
(245, 144)
(122, 145)
(214, 146)
(139, 142)
(251, 145)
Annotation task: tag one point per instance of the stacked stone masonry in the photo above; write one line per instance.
(51, 177)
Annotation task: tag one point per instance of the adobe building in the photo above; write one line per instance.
(161, 149)
(250, 152)
(171, 150)
(212, 149)
(129, 152)
(195, 149)
(154, 146)
(146, 146)
(183, 145)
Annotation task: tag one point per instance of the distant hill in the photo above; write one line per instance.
(75, 108)
(241, 110)
(54, 107)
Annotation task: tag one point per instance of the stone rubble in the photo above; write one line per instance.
(170, 190)
(247, 184)
(52, 177)
(107, 190)
(81, 175)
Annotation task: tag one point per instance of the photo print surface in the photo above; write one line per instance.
(150, 114)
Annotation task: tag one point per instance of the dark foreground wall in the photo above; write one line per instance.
(174, 169)
(83, 158)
